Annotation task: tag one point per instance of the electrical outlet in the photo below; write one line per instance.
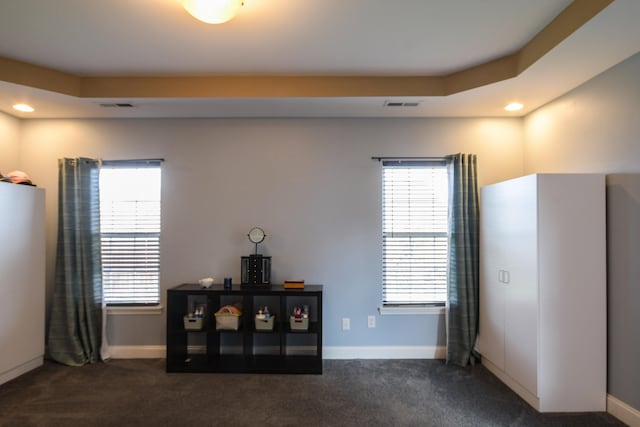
(371, 321)
(346, 324)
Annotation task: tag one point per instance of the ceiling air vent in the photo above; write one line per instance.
(117, 105)
(401, 104)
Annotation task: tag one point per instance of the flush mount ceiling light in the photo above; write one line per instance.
(212, 11)
(514, 106)
(24, 108)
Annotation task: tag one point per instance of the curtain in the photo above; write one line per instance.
(76, 321)
(463, 264)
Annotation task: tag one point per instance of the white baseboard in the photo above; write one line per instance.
(137, 351)
(384, 352)
(331, 352)
(623, 412)
(21, 369)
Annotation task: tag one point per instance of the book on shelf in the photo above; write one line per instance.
(294, 284)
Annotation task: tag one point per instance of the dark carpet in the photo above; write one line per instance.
(349, 393)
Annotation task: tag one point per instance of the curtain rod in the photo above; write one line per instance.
(430, 159)
(134, 160)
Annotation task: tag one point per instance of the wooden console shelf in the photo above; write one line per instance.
(281, 350)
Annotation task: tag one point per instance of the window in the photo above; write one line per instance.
(130, 232)
(414, 232)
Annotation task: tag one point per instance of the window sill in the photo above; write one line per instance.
(408, 310)
(135, 311)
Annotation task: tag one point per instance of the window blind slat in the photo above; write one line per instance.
(414, 234)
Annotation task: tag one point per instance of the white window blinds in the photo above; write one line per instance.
(414, 232)
(130, 232)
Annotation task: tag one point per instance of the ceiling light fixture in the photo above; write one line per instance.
(212, 11)
(24, 108)
(514, 106)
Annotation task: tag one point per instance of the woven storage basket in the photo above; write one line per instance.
(226, 320)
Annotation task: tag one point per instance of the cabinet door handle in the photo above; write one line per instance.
(503, 276)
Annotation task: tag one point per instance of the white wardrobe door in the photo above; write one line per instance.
(492, 270)
(521, 301)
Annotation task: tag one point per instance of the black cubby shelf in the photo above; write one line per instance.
(211, 350)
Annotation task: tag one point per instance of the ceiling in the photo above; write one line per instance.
(305, 58)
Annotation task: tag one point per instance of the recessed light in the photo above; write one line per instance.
(24, 108)
(514, 106)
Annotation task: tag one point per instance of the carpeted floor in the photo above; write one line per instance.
(349, 393)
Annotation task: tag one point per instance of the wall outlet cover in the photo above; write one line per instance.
(346, 324)
(371, 321)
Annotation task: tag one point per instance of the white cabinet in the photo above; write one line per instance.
(543, 289)
(22, 279)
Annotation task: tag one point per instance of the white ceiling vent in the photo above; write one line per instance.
(401, 104)
(117, 105)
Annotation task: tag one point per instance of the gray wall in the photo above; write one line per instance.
(595, 128)
(310, 183)
(623, 238)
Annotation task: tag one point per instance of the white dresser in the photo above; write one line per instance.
(543, 289)
(22, 279)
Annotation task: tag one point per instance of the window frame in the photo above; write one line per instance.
(132, 306)
(425, 306)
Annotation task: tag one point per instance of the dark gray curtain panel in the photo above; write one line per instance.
(75, 326)
(463, 280)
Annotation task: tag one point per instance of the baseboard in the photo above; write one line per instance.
(137, 351)
(623, 412)
(384, 352)
(330, 352)
(21, 369)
